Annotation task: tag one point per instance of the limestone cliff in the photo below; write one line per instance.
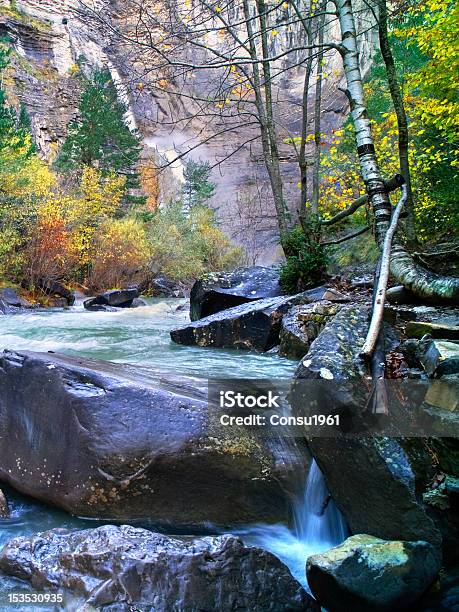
(50, 35)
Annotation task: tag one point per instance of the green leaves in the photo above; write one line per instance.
(100, 137)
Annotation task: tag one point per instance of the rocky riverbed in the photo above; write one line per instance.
(138, 443)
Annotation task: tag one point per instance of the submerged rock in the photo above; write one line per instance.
(128, 567)
(101, 440)
(4, 508)
(301, 325)
(217, 292)
(367, 573)
(119, 298)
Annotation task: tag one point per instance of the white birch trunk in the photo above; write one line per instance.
(423, 283)
(369, 168)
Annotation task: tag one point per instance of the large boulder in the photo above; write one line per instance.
(366, 573)
(128, 567)
(334, 355)
(11, 302)
(249, 326)
(163, 285)
(255, 325)
(377, 482)
(103, 440)
(56, 290)
(119, 298)
(301, 326)
(217, 292)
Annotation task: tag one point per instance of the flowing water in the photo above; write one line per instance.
(141, 337)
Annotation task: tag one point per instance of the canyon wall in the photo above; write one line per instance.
(50, 35)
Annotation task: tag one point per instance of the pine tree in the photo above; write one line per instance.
(100, 137)
(197, 188)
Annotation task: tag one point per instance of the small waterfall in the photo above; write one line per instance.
(318, 522)
(318, 526)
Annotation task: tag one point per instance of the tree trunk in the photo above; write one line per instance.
(421, 282)
(265, 117)
(399, 107)
(371, 174)
(317, 120)
(274, 161)
(425, 284)
(302, 160)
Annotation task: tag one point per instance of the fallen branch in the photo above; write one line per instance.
(380, 292)
(390, 185)
(347, 237)
(356, 204)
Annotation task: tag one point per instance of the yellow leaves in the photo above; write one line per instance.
(163, 83)
(274, 33)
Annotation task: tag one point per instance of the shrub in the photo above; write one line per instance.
(306, 260)
(49, 254)
(185, 247)
(119, 254)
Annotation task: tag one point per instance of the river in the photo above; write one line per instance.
(140, 336)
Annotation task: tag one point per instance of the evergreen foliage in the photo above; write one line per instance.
(100, 137)
(198, 187)
(306, 259)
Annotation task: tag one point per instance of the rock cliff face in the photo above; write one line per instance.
(50, 35)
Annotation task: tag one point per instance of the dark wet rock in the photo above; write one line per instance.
(413, 351)
(254, 325)
(418, 329)
(441, 358)
(366, 573)
(128, 567)
(301, 326)
(334, 355)
(165, 286)
(119, 298)
(4, 508)
(444, 596)
(110, 441)
(11, 302)
(401, 295)
(398, 468)
(54, 289)
(138, 303)
(249, 326)
(217, 292)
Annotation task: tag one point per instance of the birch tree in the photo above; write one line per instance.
(421, 282)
